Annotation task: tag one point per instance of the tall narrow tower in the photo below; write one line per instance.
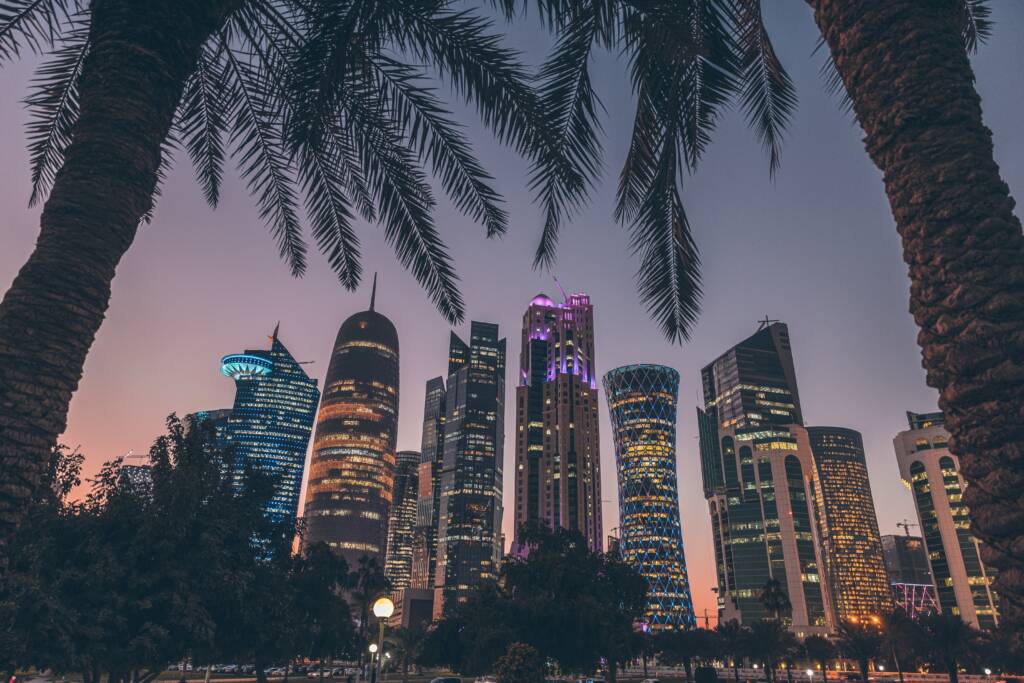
(428, 506)
(642, 402)
(558, 457)
(402, 520)
(469, 527)
(353, 463)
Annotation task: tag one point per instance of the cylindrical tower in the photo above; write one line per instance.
(352, 468)
(642, 401)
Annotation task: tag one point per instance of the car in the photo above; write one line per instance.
(485, 679)
(446, 679)
(650, 680)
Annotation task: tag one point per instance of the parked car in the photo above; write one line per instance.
(650, 680)
(446, 679)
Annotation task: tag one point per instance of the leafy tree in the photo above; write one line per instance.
(775, 599)
(901, 636)
(767, 642)
(521, 664)
(861, 641)
(819, 650)
(366, 584)
(324, 620)
(683, 647)
(950, 642)
(407, 644)
(733, 639)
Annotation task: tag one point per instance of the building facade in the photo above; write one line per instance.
(643, 402)
(469, 526)
(963, 584)
(759, 480)
(848, 523)
(428, 505)
(558, 457)
(402, 519)
(270, 422)
(353, 462)
(910, 577)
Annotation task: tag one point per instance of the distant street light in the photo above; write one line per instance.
(810, 674)
(988, 672)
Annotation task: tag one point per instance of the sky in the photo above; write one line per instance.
(816, 248)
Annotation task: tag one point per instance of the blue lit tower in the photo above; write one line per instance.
(642, 401)
(270, 422)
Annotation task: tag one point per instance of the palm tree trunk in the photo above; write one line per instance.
(905, 67)
(140, 55)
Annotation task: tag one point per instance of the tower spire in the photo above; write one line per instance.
(373, 292)
(273, 337)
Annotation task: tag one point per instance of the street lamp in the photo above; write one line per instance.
(382, 609)
(988, 671)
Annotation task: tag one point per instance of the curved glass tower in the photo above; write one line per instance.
(642, 401)
(352, 468)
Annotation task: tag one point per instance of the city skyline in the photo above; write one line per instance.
(853, 323)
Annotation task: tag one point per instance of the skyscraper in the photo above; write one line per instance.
(758, 475)
(353, 463)
(469, 527)
(428, 506)
(962, 582)
(642, 401)
(851, 544)
(910, 577)
(270, 422)
(402, 519)
(558, 457)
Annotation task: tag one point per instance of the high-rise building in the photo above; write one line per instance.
(353, 463)
(642, 402)
(428, 506)
(910, 577)
(759, 480)
(851, 543)
(469, 526)
(270, 421)
(402, 519)
(558, 459)
(963, 584)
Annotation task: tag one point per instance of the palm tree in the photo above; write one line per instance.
(860, 641)
(407, 642)
(899, 632)
(950, 641)
(321, 102)
(366, 584)
(768, 642)
(903, 64)
(775, 599)
(819, 650)
(732, 642)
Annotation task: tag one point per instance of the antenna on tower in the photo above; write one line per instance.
(373, 292)
(565, 297)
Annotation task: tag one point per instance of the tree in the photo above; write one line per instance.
(367, 583)
(407, 644)
(682, 647)
(521, 664)
(732, 643)
(904, 67)
(819, 650)
(767, 643)
(950, 641)
(860, 641)
(318, 101)
(900, 633)
(775, 599)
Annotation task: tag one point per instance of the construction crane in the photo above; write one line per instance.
(905, 525)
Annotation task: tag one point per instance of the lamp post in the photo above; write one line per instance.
(382, 609)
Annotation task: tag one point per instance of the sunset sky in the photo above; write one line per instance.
(816, 248)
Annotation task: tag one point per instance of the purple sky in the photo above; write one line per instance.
(817, 249)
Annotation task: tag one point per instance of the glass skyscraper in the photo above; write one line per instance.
(352, 468)
(428, 506)
(642, 401)
(910, 577)
(469, 526)
(270, 421)
(759, 480)
(558, 455)
(852, 546)
(402, 520)
(963, 584)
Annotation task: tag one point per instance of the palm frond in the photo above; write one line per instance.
(768, 96)
(430, 130)
(829, 75)
(36, 24)
(167, 149)
(202, 125)
(255, 117)
(53, 107)
(977, 23)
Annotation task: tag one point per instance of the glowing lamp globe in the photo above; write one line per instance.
(373, 648)
(383, 607)
(810, 673)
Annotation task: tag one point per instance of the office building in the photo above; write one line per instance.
(428, 506)
(353, 462)
(469, 526)
(962, 581)
(270, 422)
(642, 402)
(402, 519)
(910, 577)
(851, 543)
(759, 480)
(558, 457)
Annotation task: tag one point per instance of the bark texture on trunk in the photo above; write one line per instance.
(905, 67)
(140, 55)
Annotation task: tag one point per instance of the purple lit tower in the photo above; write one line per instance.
(558, 459)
